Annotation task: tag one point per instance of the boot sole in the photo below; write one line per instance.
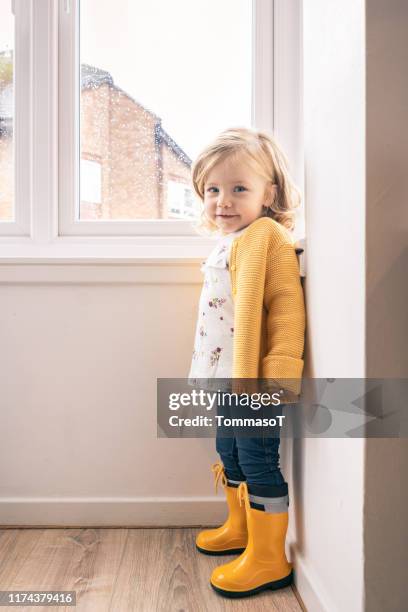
(231, 551)
(275, 584)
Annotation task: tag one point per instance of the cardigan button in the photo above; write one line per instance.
(233, 267)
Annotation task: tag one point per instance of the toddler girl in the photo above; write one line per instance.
(251, 325)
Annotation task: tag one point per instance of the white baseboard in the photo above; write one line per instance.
(112, 512)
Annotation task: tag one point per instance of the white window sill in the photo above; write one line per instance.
(138, 260)
(113, 250)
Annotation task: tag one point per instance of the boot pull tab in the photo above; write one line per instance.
(219, 472)
(242, 494)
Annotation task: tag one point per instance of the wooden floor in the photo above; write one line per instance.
(123, 570)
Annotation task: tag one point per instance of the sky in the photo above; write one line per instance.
(6, 25)
(188, 61)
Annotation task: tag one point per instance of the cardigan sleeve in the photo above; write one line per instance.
(285, 319)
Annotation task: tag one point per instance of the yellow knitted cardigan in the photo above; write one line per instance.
(269, 319)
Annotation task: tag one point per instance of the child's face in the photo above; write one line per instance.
(234, 194)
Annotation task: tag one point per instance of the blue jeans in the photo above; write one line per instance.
(255, 460)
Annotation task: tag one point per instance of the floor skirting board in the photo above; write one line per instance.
(112, 512)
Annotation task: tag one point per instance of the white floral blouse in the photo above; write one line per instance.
(214, 336)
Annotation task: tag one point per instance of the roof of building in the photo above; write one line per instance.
(162, 136)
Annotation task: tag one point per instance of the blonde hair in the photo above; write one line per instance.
(265, 157)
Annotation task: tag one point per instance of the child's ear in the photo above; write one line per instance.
(271, 191)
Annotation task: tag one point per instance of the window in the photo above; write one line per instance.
(91, 188)
(180, 201)
(104, 105)
(139, 99)
(15, 126)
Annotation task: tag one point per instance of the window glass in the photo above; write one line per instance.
(6, 111)
(180, 200)
(159, 80)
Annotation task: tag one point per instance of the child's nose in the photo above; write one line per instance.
(223, 200)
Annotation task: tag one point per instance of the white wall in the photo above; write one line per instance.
(328, 474)
(81, 348)
(349, 493)
(386, 495)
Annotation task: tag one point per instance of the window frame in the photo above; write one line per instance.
(46, 189)
(22, 124)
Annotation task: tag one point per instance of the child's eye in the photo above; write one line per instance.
(239, 186)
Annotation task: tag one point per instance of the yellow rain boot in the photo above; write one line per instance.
(263, 565)
(232, 536)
